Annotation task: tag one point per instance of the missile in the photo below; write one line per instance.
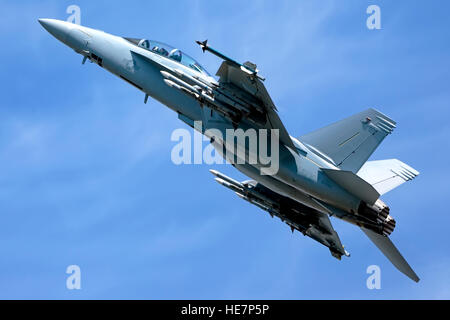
(203, 97)
(204, 46)
(178, 81)
(236, 97)
(255, 196)
(214, 98)
(200, 95)
(187, 77)
(232, 102)
(213, 82)
(247, 67)
(241, 192)
(174, 85)
(226, 178)
(240, 195)
(255, 202)
(260, 205)
(229, 185)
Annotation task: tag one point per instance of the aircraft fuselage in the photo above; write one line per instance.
(299, 176)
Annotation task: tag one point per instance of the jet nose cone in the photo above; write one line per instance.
(57, 28)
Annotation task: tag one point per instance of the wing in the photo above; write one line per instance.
(328, 236)
(350, 142)
(385, 175)
(308, 221)
(244, 84)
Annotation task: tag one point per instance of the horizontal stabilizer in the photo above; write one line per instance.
(391, 252)
(385, 175)
(353, 184)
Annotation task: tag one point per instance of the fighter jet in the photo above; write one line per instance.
(320, 174)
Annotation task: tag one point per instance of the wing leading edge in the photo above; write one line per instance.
(242, 83)
(238, 79)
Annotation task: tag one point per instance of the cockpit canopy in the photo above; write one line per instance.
(169, 52)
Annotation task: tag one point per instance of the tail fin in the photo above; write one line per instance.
(391, 252)
(385, 175)
(350, 142)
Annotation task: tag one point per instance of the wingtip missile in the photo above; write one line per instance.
(247, 67)
(203, 44)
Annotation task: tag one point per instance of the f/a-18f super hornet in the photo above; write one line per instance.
(320, 174)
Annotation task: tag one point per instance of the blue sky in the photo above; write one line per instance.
(86, 176)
